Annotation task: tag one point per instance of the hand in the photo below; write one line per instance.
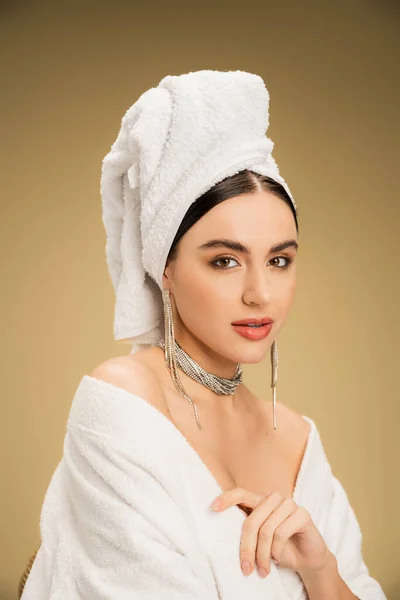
(277, 529)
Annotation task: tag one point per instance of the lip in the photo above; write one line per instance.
(253, 321)
(253, 333)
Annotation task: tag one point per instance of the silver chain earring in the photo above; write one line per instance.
(169, 347)
(274, 377)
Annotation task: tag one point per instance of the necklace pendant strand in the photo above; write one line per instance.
(176, 356)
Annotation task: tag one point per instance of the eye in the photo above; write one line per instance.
(288, 259)
(215, 264)
(223, 258)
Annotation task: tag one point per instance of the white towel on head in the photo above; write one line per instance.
(176, 142)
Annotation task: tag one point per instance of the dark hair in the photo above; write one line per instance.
(241, 183)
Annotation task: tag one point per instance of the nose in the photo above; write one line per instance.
(258, 289)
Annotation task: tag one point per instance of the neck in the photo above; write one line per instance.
(207, 359)
(200, 392)
(207, 400)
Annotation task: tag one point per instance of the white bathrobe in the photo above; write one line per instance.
(127, 514)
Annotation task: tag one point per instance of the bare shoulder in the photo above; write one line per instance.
(292, 428)
(293, 420)
(132, 374)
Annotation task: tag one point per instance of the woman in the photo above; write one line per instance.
(194, 202)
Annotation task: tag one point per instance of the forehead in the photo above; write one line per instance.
(260, 216)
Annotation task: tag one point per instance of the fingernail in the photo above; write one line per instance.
(246, 567)
(262, 572)
(216, 504)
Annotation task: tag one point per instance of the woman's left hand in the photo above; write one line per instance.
(277, 529)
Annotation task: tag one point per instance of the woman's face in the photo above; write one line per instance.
(212, 287)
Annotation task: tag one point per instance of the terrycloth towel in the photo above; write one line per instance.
(175, 143)
(127, 514)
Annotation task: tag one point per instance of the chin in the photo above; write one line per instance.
(251, 356)
(252, 360)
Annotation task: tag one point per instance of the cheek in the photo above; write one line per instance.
(286, 293)
(204, 300)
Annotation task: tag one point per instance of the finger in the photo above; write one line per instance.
(293, 524)
(265, 548)
(251, 526)
(236, 496)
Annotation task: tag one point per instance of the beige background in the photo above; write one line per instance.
(69, 72)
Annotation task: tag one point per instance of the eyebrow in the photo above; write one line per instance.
(239, 247)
